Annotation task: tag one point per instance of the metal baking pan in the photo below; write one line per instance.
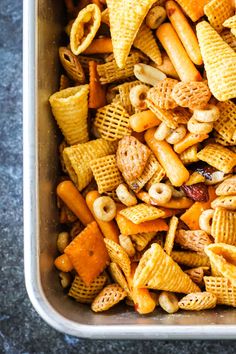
(43, 28)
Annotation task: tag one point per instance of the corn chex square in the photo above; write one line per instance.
(112, 122)
(106, 173)
(218, 156)
(142, 212)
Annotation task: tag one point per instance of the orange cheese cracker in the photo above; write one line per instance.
(88, 253)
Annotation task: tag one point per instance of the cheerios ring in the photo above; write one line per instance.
(160, 193)
(138, 95)
(205, 220)
(104, 208)
(197, 127)
(207, 115)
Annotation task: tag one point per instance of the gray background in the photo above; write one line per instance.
(21, 329)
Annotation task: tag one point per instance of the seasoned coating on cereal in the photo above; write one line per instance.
(198, 301)
(132, 157)
(219, 60)
(125, 21)
(222, 289)
(157, 270)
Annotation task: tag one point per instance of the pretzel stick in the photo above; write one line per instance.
(99, 46)
(190, 139)
(184, 31)
(70, 195)
(174, 168)
(177, 54)
(143, 302)
(143, 120)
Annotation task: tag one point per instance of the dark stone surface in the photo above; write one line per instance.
(21, 329)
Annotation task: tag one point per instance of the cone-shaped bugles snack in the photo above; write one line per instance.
(70, 109)
(157, 270)
(145, 42)
(84, 28)
(223, 258)
(77, 159)
(126, 17)
(220, 62)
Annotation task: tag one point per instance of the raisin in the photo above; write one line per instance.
(197, 192)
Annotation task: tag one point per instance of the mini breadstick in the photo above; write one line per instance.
(177, 54)
(108, 228)
(142, 121)
(168, 159)
(190, 139)
(143, 301)
(100, 46)
(63, 263)
(184, 31)
(97, 92)
(70, 195)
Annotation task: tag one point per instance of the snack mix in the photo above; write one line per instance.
(147, 194)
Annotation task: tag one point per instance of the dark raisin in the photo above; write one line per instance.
(197, 192)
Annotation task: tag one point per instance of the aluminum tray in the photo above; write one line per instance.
(43, 28)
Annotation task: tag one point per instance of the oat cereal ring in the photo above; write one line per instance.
(162, 131)
(137, 96)
(127, 245)
(125, 195)
(205, 220)
(161, 193)
(155, 17)
(196, 127)
(168, 301)
(210, 113)
(177, 135)
(104, 208)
